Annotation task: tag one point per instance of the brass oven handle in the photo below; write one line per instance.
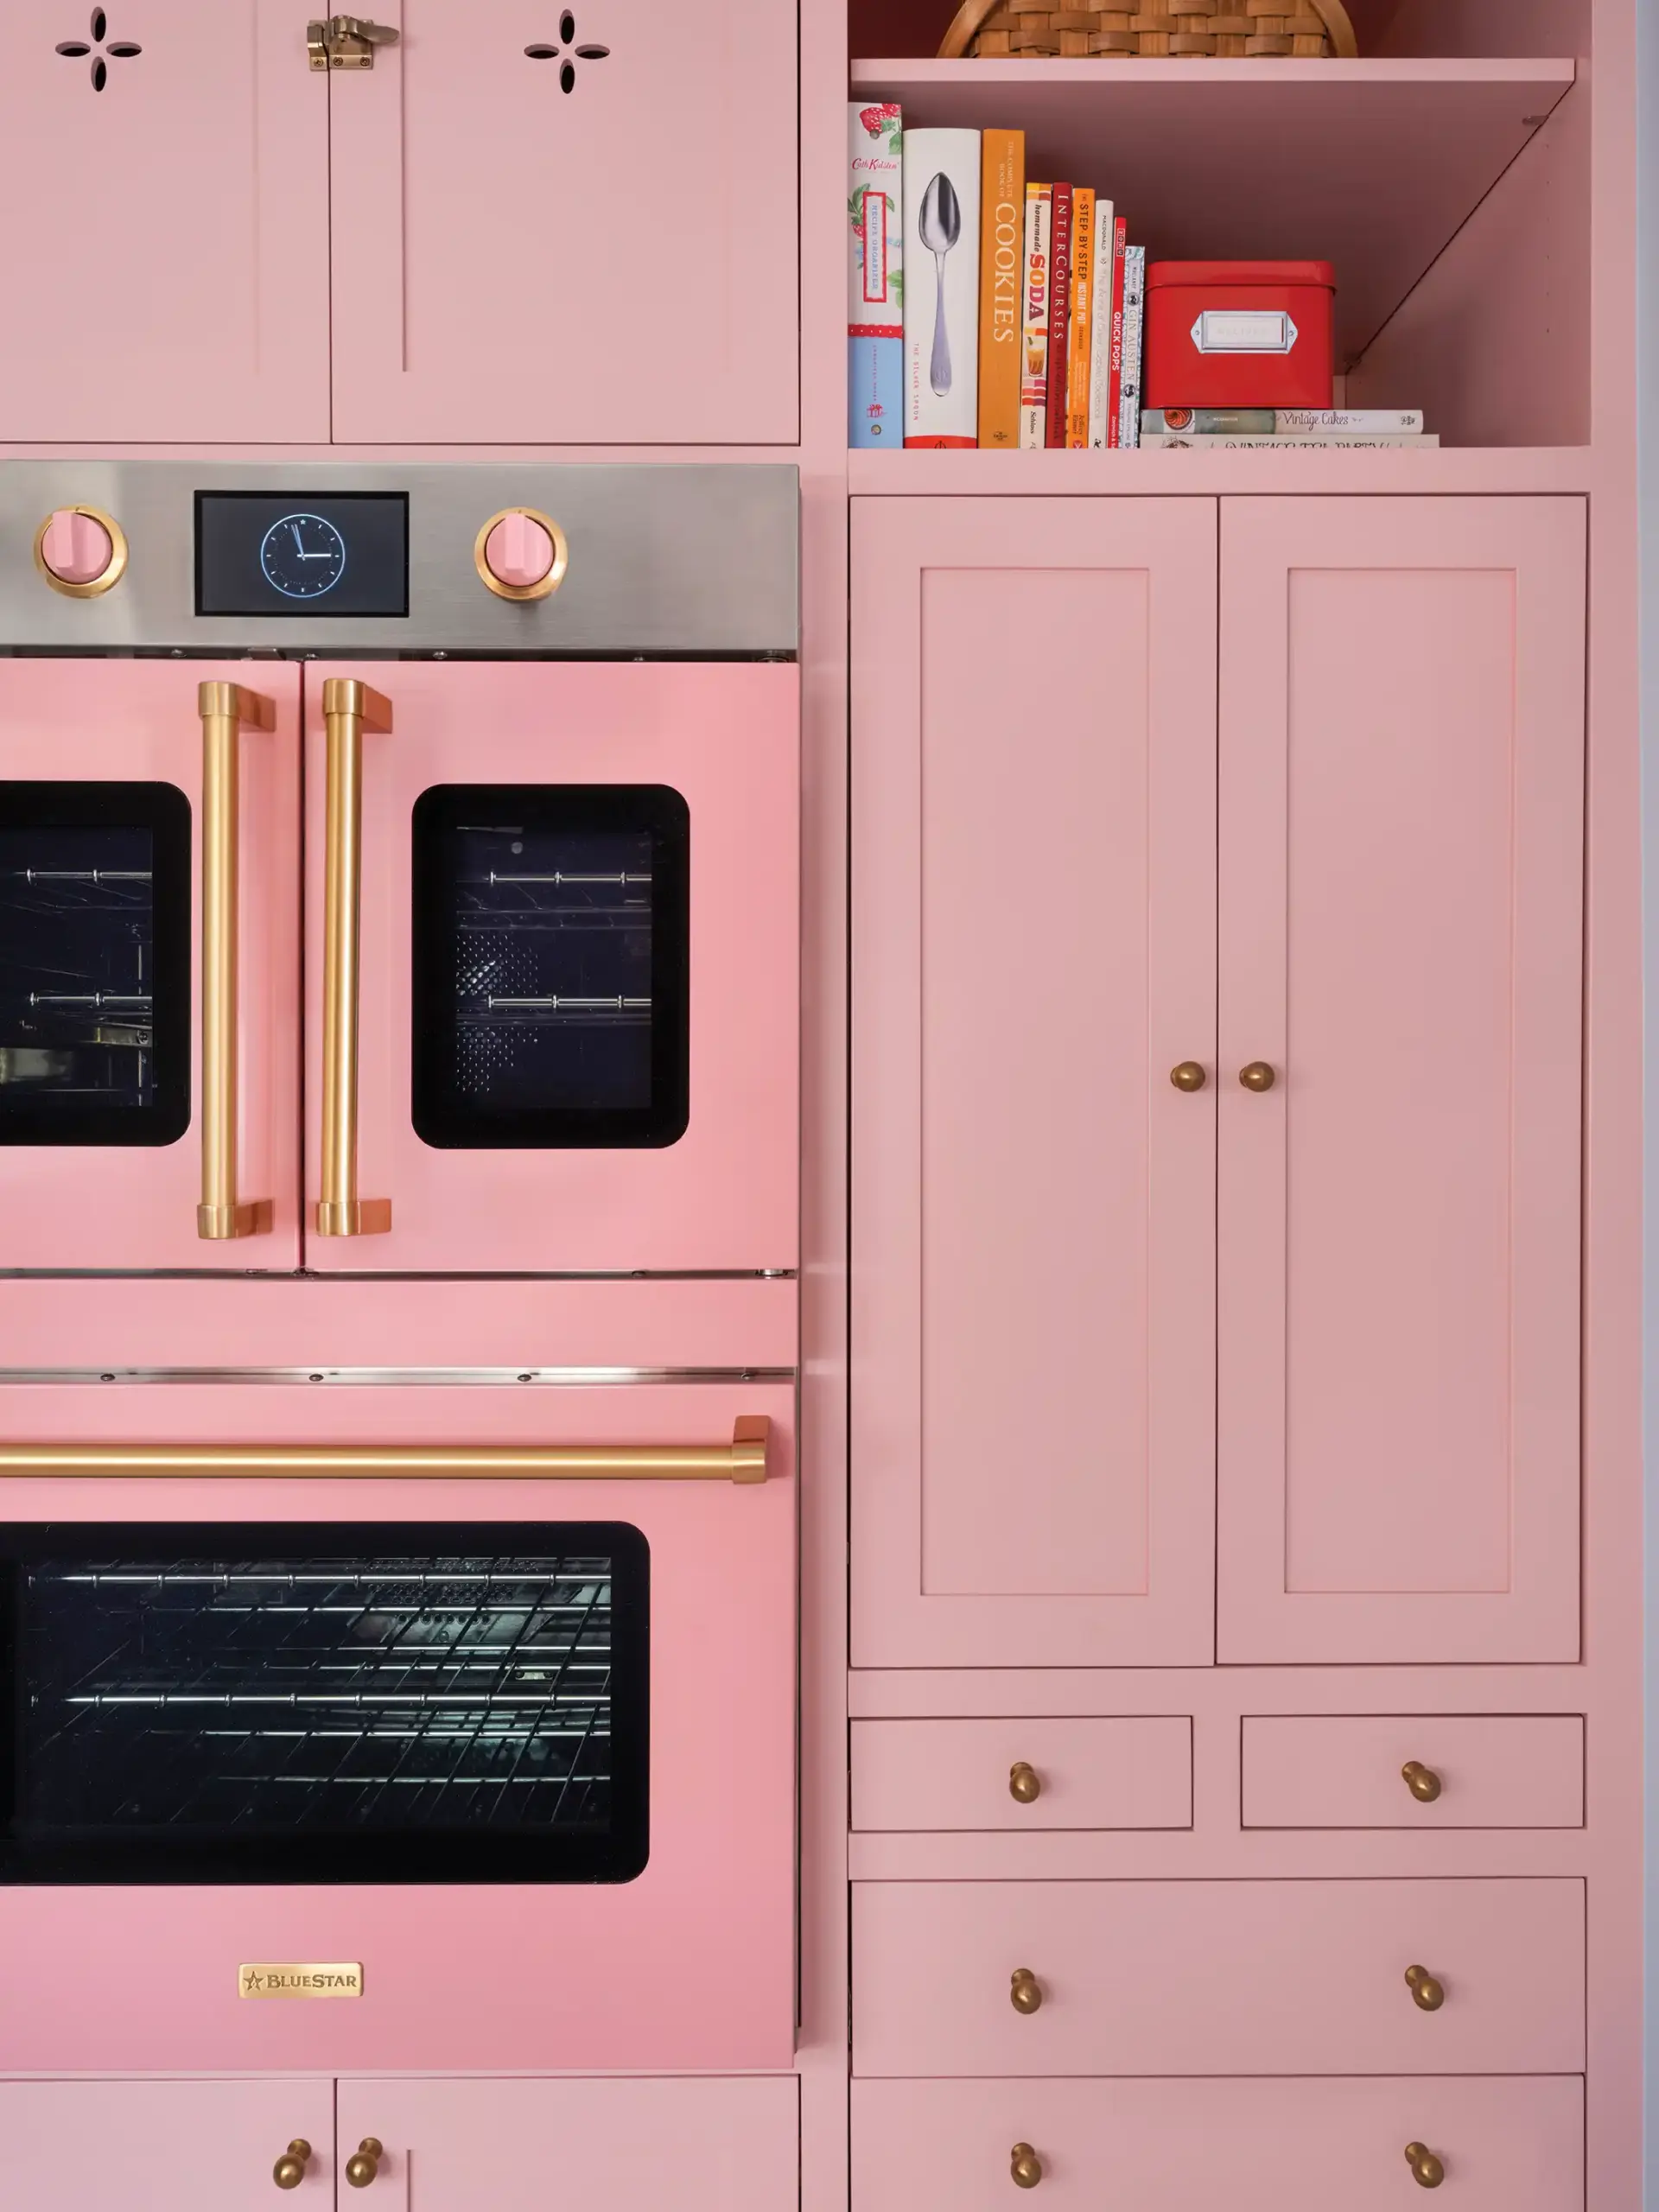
(226, 710)
(1025, 2165)
(1025, 1991)
(742, 1460)
(348, 708)
(1427, 2170)
(290, 2170)
(364, 2162)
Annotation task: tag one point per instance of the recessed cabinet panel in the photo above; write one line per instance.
(571, 222)
(152, 2146)
(1401, 824)
(1033, 954)
(164, 262)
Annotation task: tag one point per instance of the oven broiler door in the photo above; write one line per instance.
(562, 1035)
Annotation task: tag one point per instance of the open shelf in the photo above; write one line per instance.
(1374, 165)
(1196, 473)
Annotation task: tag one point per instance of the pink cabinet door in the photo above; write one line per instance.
(1401, 826)
(568, 222)
(170, 281)
(711, 2145)
(721, 741)
(103, 1126)
(153, 2146)
(1033, 833)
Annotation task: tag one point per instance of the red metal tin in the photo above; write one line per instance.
(1240, 334)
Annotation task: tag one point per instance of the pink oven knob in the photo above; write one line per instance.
(75, 548)
(521, 554)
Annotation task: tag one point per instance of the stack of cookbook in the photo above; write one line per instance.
(983, 308)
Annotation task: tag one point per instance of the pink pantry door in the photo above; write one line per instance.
(154, 2146)
(722, 1196)
(170, 279)
(705, 2145)
(570, 222)
(92, 754)
(1401, 825)
(1034, 791)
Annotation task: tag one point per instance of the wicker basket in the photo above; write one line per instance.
(1310, 29)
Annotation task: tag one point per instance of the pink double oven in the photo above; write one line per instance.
(398, 997)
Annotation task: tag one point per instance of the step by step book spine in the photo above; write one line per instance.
(1059, 312)
(1002, 287)
(875, 328)
(1082, 333)
(941, 291)
(1033, 388)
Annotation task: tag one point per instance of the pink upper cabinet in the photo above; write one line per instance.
(1034, 824)
(164, 262)
(1402, 810)
(568, 222)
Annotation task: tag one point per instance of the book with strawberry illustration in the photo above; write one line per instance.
(876, 326)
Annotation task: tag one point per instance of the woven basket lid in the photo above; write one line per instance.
(972, 14)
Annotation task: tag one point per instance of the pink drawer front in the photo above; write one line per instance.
(1217, 1977)
(1471, 1771)
(1191, 2146)
(158, 2146)
(914, 1775)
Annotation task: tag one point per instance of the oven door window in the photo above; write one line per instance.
(551, 940)
(381, 1702)
(94, 963)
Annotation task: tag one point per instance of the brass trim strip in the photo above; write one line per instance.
(348, 708)
(742, 1460)
(226, 710)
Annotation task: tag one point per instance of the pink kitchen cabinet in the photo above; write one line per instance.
(165, 165)
(704, 2145)
(1033, 951)
(1401, 943)
(156, 2146)
(568, 222)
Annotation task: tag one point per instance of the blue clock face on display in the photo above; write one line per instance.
(303, 555)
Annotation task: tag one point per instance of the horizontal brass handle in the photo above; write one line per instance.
(1025, 2165)
(1427, 1993)
(742, 1460)
(1423, 1782)
(290, 2170)
(1025, 1783)
(1025, 1991)
(1427, 2169)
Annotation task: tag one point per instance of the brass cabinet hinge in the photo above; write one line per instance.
(345, 42)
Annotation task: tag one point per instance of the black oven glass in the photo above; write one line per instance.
(94, 963)
(551, 932)
(382, 1702)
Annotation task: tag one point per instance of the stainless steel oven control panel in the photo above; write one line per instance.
(118, 556)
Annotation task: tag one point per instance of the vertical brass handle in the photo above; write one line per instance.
(1426, 1993)
(1025, 1991)
(1025, 1783)
(348, 708)
(290, 2170)
(1425, 2169)
(226, 710)
(1025, 2165)
(364, 2162)
(1423, 1782)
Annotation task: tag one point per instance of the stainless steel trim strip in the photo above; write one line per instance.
(567, 1378)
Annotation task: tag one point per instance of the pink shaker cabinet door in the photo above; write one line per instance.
(156, 2146)
(102, 1125)
(568, 222)
(1033, 954)
(721, 741)
(1401, 828)
(707, 2145)
(170, 278)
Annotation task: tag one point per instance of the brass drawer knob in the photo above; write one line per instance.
(1423, 1781)
(1427, 1992)
(364, 2162)
(1025, 1783)
(290, 2170)
(1024, 1991)
(1258, 1076)
(1425, 2169)
(1189, 1076)
(1025, 2165)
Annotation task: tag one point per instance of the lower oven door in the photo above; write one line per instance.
(445, 1728)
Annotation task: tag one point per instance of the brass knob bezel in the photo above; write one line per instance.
(548, 584)
(1423, 1782)
(1025, 1783)
(1025, 2166)
(1025, 1991)
(290, 2170)
(1427, 2170)
(96, 585)
(1427, 1994)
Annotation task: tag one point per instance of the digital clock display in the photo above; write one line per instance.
(300, 553)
